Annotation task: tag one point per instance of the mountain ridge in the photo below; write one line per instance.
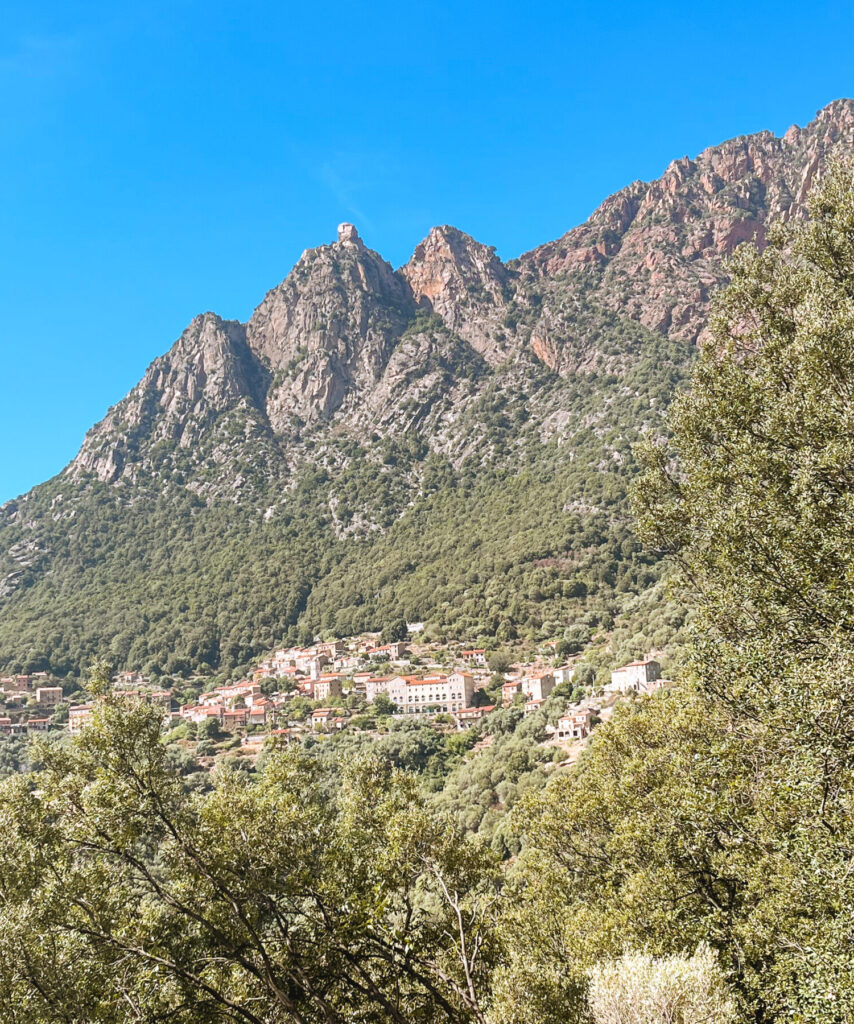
(376, 442)
(665, 283)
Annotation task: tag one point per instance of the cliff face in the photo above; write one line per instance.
(346, 340)
(466, 284)
(208, 370)
(328, 330)
(655, 251)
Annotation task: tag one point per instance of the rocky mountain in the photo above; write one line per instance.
(466, 284)
(208, 371)
(450, 440)
(654, 251)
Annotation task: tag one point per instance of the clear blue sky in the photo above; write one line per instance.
(177, 158)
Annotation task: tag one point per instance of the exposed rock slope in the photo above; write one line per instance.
(467, 285)
(655, 250)
(329, 329)
(326, 344)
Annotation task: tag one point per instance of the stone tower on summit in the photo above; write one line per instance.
(348, 233)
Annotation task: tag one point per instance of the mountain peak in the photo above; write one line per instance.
(837, 110)
(653, 251)
(207, 371)
(328, 328)
(463, 281)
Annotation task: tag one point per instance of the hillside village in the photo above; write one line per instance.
(349, 684)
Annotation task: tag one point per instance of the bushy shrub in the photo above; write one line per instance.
(643, 989)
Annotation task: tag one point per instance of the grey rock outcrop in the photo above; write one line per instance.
(347, 343)
(327, 331)
(208, 370)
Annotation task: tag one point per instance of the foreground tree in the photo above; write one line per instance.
(753, 498)
(299, 896)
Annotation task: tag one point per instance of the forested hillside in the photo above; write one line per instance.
(159, 578)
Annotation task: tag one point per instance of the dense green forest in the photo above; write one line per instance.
(697, 864)
(525, 537)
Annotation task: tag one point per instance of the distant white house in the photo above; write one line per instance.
(78, 716)
(636, 677)
(575, 724)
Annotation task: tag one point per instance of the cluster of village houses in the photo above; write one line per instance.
(27, 690)
(329, 671)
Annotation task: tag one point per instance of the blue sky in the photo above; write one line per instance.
(179, 158)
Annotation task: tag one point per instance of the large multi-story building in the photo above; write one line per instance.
(373, 685)
(538, 686)
(427, 696)
(327, 686)
(48, 696)
(78, 717)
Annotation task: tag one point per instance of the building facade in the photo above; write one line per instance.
(428, 696)
(636, 677)
(326, 687)
(574, 725)
(538, 686)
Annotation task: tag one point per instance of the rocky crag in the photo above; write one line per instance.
(359, 399)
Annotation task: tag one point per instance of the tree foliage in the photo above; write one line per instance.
(303, 895)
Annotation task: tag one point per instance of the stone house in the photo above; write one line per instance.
(509, 691)
(538, 686)
(636, 677)
(575, 724)
(49, 696)
(467, 717)
(327, 686)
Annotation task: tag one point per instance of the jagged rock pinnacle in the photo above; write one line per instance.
(348, 233)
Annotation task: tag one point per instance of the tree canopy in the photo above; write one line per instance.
(307, 894)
